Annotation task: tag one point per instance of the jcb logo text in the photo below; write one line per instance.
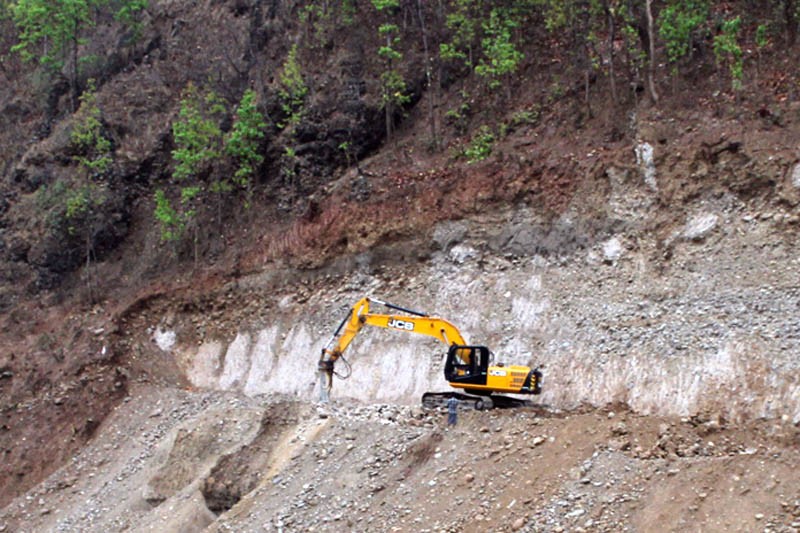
(401, 324)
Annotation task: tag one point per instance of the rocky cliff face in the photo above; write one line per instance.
(709, 330)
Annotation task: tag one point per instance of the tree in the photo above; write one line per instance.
(610, 11)
(87, 192)
(198, 144)
(678, 23)
(169, 219)
(393, 86)
(196, 132)
(651, 64)
(243, 141)
(463, 24)
(51, 32)
(429, 59)
(500, 57)
(93, 147)
(293, 89)
(761, 42)
(727, 50)
(790, 17)
(574, 17)
(6, 32)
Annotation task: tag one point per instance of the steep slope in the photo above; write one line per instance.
(644, 254)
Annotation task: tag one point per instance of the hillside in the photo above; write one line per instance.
(642, 253)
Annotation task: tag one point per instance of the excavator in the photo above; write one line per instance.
(467, 367)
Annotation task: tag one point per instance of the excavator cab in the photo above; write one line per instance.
(467, 364)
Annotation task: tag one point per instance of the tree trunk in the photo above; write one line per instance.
(196, 243)
(651, 65)
(387, 107)
(89, 266)
(388, 104)
(428, 76)
(74, 80)
(789, 10)
(611, 37)
(585, 58)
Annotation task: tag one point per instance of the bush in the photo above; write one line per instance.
(481, 145)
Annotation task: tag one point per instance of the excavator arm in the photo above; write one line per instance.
(409, 322)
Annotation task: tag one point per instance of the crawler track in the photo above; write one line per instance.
(432, 400)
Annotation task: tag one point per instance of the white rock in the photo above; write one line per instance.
(646, 161)
(165, 339)
(612, 250)
(699, 226)
(461, 253)
(796, 176)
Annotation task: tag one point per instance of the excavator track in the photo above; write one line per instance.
(433, 400)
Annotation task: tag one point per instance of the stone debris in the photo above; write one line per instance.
(204, 463)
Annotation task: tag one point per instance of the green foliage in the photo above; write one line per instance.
(188, 195)
(198, 144)
(726, 48)
(393, 86)
(558, 14)
(322, 17)
(50, 32)
(173, 221)
(347, 11)
(388, 51)
(87, 135)
(555, 91)
(72, 207)
(636, 54)
(458, 117)
(480, 147)
(77, 202)
(385, 5)
(128, 13)
(47, 29)
(463, 24)
(394, 89)
(293, 89)
(196, 132)
(457, 114)
(243, 141)
(347, 148)
(525, 117)
(677, 23)
(501, 56)
(312, 11)
(288, 163)
(83, 203)
(169, 219)
(762, 40)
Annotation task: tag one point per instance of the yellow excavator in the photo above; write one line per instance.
(467, 367)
